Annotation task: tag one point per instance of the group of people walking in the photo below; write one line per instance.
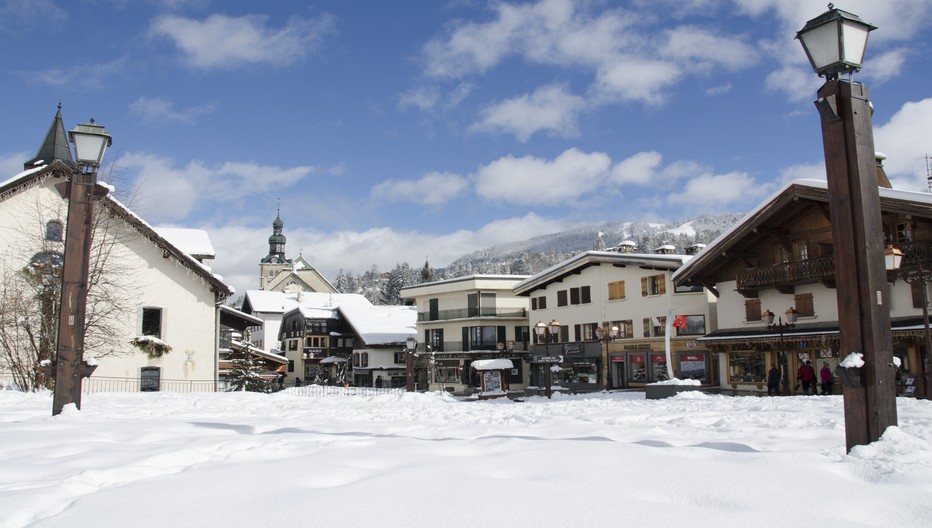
(806, 376)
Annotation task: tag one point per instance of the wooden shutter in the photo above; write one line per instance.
(752, 310)
(643, 286)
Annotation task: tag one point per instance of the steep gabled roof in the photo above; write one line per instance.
(775, 213)
(58, 169)
(381, 325)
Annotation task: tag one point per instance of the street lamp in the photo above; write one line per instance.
(835, 43)
(555, 330)
(920, 276)
(791, 316)
(410, 348)
(90, 143)
(543, 332)
(605, 337)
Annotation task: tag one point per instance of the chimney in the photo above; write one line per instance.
(882, 180)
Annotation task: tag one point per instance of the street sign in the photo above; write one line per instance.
(547, 359)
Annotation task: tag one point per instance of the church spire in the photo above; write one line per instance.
(276, 242)
(54, 146)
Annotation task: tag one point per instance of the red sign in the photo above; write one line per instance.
(636, 358)
(693, 357)
(658, 358)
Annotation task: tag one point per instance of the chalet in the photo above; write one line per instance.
(777, 266)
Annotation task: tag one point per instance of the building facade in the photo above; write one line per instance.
(580, 302)
(469, 318)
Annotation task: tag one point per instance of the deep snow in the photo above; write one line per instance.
(392, 460)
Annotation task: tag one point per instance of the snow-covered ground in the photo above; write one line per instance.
(244, 459)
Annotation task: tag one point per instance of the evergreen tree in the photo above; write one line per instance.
(370, 285)
(427, 274)
(340, 283)
(245, 375)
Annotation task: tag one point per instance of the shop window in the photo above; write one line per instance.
(149, 378)
(637, 368)
(752, 310)
(616, 290)
(904, 232)
(804, 305)
(658, 367)
(746, 366)
(447, 371)
(691, 365)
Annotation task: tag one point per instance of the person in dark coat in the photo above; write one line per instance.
(826, 375)
(378, 382)
(806, 376)
(773, 381)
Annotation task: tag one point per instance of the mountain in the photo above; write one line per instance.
(541, 252)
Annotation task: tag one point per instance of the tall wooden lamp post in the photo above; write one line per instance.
(835, 42)
(90, 143)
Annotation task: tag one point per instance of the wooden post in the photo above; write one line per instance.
(857, 237)
(80, 193)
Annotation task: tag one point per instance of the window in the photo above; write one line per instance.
(542, 302)
(434, 339)
(804, 306)
(585, 294)
(653, 285)
(292, 344)
(290, 365)
(916, 290)
(746, 366)
(692, 365)
(561, 298)
(152, 322)
(317, 342)
(149, 379)
(433, 313)
(399, 357)
(485, 337)
(801, 249)
(694, 325)
(658, 367)
(752, 310)
(782, 254)
(574, 295)
(625, 328)
(616, 290)
(647, 327)
(682, 288)
(53, 231)
(533, 303)
(588, 331)
(904, 232)
(660, 326)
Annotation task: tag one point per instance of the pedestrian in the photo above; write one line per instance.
(378, 382)
(298, 382)
(773, 381)
(826, 375)
(806, 376)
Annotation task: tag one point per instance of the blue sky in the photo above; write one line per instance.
(405, 131)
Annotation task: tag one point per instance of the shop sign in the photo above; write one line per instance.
(547, 359)
(692, 357)
(638, 346)
(658, 358)
(636, 358)
(571, 349)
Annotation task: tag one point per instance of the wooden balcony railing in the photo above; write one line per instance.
(822, 269)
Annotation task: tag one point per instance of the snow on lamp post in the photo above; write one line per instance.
(835, 42)
(90, 143)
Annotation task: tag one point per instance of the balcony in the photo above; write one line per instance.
(470, 313)
(784, 277)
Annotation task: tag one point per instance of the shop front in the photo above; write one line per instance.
(572, 367)
(633, 365)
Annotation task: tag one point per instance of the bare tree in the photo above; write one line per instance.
(30, 294)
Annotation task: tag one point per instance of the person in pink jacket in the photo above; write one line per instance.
(826, 375)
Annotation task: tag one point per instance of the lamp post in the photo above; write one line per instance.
(920, 276)
(90, 144)
(791, 316)
(543, 332)
(410, 348)
(835, 42)
(605, 337)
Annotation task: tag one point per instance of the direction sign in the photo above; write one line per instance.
(547, 359)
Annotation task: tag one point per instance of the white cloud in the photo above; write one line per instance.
(712, 191)
(420, 97)
(718, 90)
(79, 76)
(904, 140)
(635, 79)
(27, 15)
(434, 188)
(704, 49)
(160, 110)
(885, 66)
(168, 193)
(639, 169)
(239, 248)
(550, 108)
(530, 180)
(224, 42)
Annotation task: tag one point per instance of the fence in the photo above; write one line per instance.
(336, 390)
(101, 384)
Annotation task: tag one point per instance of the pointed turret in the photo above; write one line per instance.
(276, 243)
(54, 147)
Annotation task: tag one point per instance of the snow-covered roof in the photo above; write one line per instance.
(317, 313)
(279, 302)
(492, 364)
(382, 325)
(194, 242)
(332, 359)
(582, 260)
